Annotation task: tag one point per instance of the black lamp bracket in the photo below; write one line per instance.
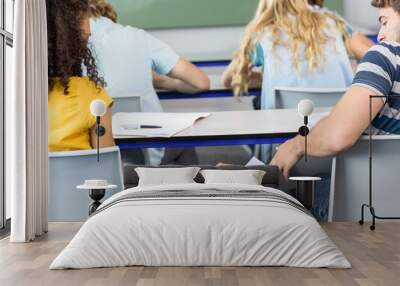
(304, 131)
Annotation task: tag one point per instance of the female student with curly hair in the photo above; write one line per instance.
(134, 62)
(71, 125)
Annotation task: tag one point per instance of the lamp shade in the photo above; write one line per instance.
(305, 107)
(98, 107)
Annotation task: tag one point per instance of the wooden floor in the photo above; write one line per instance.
(375, 257)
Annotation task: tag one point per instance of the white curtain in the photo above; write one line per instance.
(26, 123)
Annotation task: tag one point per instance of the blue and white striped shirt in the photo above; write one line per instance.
(379, 71)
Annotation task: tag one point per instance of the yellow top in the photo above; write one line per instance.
(70, 119)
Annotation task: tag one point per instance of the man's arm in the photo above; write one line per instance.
(336, 133)
(189, 77)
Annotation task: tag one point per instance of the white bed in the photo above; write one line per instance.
(209, 230)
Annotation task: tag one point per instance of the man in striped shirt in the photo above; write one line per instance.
(378, 74)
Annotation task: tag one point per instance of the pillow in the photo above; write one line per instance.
(166, 176)
(246, 177)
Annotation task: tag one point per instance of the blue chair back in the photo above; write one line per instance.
(288, 97)
(69, 169)
(127, 104)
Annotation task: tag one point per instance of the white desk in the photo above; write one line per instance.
(230, 128)
(214, 70)
(218, 98)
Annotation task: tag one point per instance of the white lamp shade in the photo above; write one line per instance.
(98, 107)
(305, 107)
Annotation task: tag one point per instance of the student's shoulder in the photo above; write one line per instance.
(119, 29)
(386, 48)
(131, 30)
(82, 82)
(84, 86)
(88, 90)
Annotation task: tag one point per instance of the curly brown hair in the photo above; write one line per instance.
(67, 47)
(395, 4)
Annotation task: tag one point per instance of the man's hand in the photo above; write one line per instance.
(288, 155)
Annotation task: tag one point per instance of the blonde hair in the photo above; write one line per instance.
(100, 8)
(308, 30)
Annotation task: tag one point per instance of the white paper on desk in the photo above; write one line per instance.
(254, 162)
(171, 123)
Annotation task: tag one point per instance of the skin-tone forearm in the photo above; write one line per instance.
(227, 76)
(336, 133)
(254, 80)
(319, 144)
(360, 44)
(167, 83)
(107, 140)
(321, 141)
(189, 76)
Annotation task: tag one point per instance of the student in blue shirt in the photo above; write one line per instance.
(295, 46)
(378, 74)
(129, 59)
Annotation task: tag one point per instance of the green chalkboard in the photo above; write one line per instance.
(153, 14)
(335, 5)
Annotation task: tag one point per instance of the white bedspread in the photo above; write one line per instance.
(200, 232)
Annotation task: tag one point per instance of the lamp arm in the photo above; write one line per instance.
(98, 137)
(304, 131)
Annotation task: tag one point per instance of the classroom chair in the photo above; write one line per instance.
(289, 97)
(127, 104)
(69, 169)
(131, 104)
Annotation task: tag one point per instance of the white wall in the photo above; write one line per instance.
(219, 43)
(202, 44)
(362, 16)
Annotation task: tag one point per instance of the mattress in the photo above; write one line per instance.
(201, 225)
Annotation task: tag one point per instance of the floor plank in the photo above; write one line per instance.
(375, 257)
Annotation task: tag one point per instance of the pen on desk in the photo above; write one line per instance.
(150, 126)
(137, 126)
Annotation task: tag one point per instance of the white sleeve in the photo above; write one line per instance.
(162, 56)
